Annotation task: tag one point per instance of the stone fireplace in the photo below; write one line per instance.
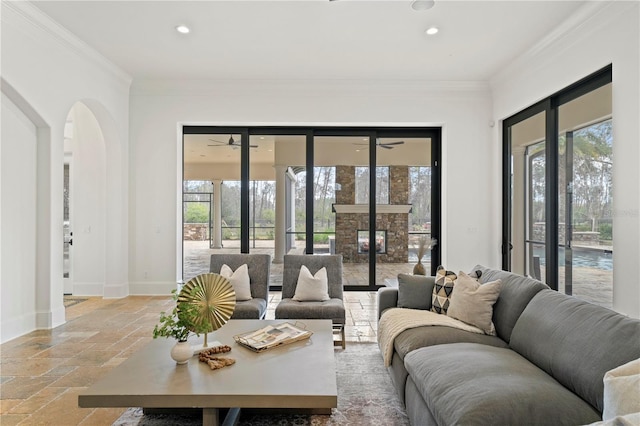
(391, 219)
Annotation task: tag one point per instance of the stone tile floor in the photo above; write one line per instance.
(42, 373)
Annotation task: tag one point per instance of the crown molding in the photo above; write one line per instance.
(190, 87)
(570, 27)
(39, 23)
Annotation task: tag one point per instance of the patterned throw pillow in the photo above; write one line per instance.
(442, 290)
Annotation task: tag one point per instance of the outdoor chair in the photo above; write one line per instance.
(259, 269)
(332, 309)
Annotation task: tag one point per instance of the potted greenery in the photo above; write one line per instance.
(183, 320)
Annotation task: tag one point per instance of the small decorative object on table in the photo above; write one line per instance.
(204, 304)
(273, 335)
(419, 269)
(213, 297)
(212, 358)
(179, 324)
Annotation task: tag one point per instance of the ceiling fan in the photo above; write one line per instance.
(231, 142)
(385, 145)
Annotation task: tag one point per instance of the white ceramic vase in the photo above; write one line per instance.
(181, 352)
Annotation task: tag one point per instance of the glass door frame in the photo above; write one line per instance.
(550, 106)
(434, 133)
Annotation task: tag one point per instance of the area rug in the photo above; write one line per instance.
(365, 397)
(71, 300)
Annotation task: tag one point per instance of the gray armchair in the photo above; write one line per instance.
(332, 309)
(259, 269)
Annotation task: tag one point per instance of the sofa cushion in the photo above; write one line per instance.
(474, 384)
(472, 303)
(414, 291)
(416, 338)
(442, 290)
(515, 294)
(575, 341)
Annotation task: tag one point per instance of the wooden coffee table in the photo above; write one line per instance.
(297, 375)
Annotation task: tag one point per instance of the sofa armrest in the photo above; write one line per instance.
(387, 298)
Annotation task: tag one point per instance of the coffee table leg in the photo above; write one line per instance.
(210, 417)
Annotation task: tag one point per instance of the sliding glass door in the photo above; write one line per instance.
(585, 197)
(368, 194)
(528, 196)
(557, 194)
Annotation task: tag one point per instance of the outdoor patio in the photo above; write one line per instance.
(590, 283)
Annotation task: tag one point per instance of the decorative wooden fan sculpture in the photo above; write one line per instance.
(214, 297)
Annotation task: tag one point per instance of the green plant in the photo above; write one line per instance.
(606, 231)
(183, 320)
(196, 213)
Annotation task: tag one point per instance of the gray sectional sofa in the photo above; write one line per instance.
(545, 366)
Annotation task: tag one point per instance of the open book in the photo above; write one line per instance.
(272, 336)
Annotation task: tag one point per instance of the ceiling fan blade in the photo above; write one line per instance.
(385, 146)
(392, 143)
(216, 141)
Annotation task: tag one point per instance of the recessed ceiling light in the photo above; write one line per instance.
(422, 4)
(183, 29)
(357, 150)
(432, 30)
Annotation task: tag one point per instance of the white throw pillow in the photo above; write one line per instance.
(312, 288)
(622, 390)
(240, 281)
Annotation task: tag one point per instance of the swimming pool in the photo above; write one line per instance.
(582, 258)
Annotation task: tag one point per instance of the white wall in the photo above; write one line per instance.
(18, 222)
(157, 108)
(48, 70)
(609, 35)
(88, 204)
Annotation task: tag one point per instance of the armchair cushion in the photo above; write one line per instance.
(250, 309)
(332, 309)
(259, 266)
(328, 309)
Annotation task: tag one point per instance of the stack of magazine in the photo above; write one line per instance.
(272, 335)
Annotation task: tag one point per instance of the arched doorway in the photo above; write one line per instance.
(84, 203)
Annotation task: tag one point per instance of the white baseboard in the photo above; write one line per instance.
(88, 288)
(116, 291)
(151, 288)
(17, 326)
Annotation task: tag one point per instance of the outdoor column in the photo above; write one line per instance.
(281, 216)
(217, 214)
